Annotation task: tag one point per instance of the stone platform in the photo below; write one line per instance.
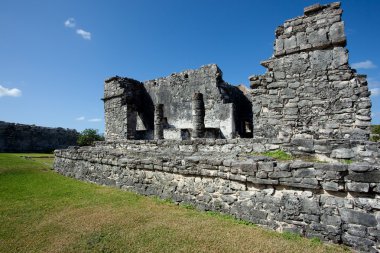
(332, 201)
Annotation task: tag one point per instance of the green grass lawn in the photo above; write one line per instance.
(42, 211)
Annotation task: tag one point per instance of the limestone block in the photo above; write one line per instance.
(340, 57)
(279, 45)
(342, 153)
(280, 84)
(368, 177)
(320, 59)
(336, 34)
(301, 40)
(356, 217)
(332, 186)
(306, 172)
(290, 43)
(357, 187)
(312, 8)
(318, 38)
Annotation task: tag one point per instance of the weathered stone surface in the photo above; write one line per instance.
(360, 218)
(358, 187)
(369, 177)
(129, 106)
(31, 138)
(342, 153)
(310, 57)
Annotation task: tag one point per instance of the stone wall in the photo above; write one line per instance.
(332, 201)
(31, 138)
(309, 90)
(119, 107)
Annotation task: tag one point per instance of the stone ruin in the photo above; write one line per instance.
(190, 104)
(194, 138)
(30, 138)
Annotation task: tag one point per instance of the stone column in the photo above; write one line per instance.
(198, 113)
(158, 121)
(131, 119)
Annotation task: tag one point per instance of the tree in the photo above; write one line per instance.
(375, 130)
(88, 136)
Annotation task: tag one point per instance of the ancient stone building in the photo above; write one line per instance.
(308, 92)
(195, 139)
(130, 106)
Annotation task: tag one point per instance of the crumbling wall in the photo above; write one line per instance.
(31, 138)
(226, 107)
(122, 96)
(175, 93)
(309, 90)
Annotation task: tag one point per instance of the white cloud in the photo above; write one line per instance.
(9, 92)
(364, 65)
(70, 22)
(80, 118)
(95, 120)
(85, 35)
(375, 92)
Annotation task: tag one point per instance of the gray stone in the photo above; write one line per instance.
(298, 164)
(279, 174)
(306, 172)
(262, 181)
(332, 186)
(358, 242)
(336, 33)
(342, 153)
(265, 166)
(356, 217)
(368, 177)
(23, 138)
(357, 187)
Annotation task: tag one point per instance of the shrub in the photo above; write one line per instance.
(88, 136)
(375, 131)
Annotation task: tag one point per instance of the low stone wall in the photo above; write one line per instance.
(335, 202)
(31, 138)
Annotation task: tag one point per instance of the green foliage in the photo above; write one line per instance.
(375, 130)
(278, 154)
(291, 236)
(88, 136)
(188, 206)
(316, 241)
(347, 161)
(158, 200)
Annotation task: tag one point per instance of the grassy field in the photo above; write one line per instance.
(42, 211)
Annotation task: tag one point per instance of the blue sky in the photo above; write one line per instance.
(52, 72)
